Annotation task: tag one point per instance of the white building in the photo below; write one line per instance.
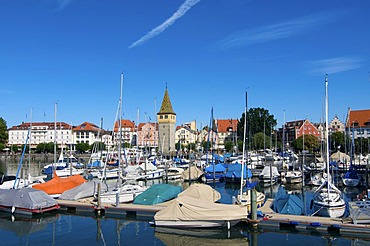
(41, 132)
(87, 133)
(185, 135)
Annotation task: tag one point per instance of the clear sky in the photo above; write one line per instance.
(208, 52)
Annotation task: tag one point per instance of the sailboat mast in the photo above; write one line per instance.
(120, 132)
(244, 136)
(29, 149)
(55, 139)
(326, 127)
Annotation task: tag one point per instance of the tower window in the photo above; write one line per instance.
(166, 116)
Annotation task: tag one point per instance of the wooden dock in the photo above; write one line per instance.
(311, 224)
(121, 211)
(270, 221)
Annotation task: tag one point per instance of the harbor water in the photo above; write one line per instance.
(64, 228)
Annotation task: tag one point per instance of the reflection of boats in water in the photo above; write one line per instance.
(179, 237)
(297, 188)
(353, 191)
(25, 225)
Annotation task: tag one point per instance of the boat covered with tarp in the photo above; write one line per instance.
(157, 193)
(84, 190)
(288, 203)
(202, 192)
(57, 185)
(234, 173)
(192, 173)
(215, 171)
(190, 212)
(26, 201)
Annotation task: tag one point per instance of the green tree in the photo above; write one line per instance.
(311, 143)
(82, 147)
(98, 146)
(258, 120)
(361, 146)
(261, 141)
(14, 148)
(45, 148)
(229, 146)
(191, 146)
(3, 131)
(337, 140)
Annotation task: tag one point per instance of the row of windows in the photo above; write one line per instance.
(166, 117)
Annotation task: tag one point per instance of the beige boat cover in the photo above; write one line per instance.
(188, 208)
(340, 156)
(194, 173)
(202, 192)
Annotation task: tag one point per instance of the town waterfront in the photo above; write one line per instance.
(86, 229)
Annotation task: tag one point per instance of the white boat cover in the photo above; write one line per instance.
(202, 192)
(87, 189)
(149, 166)
(266, 171)
(27, 198)
(186, 208)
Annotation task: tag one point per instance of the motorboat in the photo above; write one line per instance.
(123, 194)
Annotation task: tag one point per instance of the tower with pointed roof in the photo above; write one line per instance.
(166, 126)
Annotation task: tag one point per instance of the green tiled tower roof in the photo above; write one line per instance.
(166, 107)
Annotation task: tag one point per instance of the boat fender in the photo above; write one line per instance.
(13, 210)
(315, 224)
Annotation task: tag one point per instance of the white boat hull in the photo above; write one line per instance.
(330, 210)
(350, 182)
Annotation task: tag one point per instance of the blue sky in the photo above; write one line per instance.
(208, 52)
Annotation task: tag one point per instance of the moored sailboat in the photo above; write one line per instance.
(328, 199)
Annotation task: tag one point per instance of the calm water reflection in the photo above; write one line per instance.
(85, 229)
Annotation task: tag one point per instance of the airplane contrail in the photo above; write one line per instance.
(185, 7)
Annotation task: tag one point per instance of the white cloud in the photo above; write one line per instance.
(62, 3)
(185, 7)
(276, 31)
(335, 65)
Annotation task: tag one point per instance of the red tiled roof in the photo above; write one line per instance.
(86, 126)
(124, 124)
(361, 117)
(50, 125)
(227, 125)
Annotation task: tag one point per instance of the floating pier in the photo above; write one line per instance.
(311, 224)
(106, 209)
(270, 221)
